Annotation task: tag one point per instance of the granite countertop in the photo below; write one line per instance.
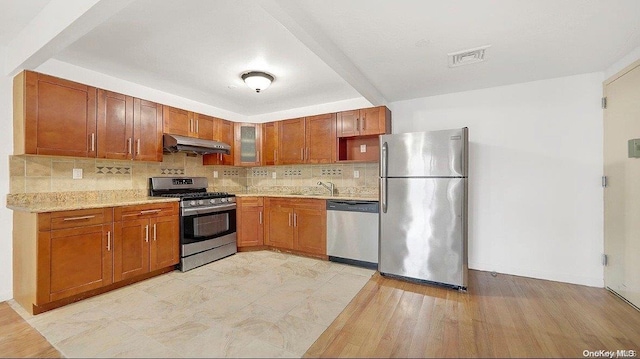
(53, 206)
(352, 197)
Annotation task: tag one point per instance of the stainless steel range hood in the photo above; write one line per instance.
(175, 143)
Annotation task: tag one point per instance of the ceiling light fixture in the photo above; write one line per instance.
(257, 80)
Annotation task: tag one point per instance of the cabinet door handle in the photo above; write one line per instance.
(258, 156)
(289, 219)
(190, 125)
(93, 142)
(154, 232)
(364, 122)
(275, 156)
(109, 241)
(357, 124)
(260, 217)
(138, 147)
(146, 233)
(295, 220)
(130, 144)
(197, 126)
(307, 153)
(77, 218)
(151, 211)
(302, 154)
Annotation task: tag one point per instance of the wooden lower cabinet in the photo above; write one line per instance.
(296, 224)
(250, 221)
(146, 238)
(61, 257)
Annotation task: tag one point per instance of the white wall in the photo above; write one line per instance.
(6, 216)
(535, 206)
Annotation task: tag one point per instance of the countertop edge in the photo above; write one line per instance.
(310, 196)
(55, 207)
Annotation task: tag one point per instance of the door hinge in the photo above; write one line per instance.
(604, 103)
(605, 260)
(604, 182)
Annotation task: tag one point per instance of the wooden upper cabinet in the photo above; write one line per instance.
(364, 122)
(186, 123)
(348, 123)
(247, 144)
(115, 125)
(320, 138)
(53, 116)
(147, 130)
(291, 145)
(176, 121)
(223, 131)
(270, 143)
(203, 126)
(128, 128)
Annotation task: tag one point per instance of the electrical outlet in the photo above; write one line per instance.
(215, 174)
(363, 148)
(273, 174)
(77, 173)
(356, 174)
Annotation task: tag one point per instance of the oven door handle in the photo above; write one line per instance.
(204, 210)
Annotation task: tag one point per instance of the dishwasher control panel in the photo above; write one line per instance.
(353, 206)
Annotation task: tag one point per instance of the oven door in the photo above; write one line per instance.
(207, 228)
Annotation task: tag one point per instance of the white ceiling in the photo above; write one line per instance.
(15, 15)
(333, 50)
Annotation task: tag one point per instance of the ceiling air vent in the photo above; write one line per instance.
(467, 57)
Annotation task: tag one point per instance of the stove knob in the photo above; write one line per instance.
(212, 201)
(192, 203)
(223, 200)
(201, 202)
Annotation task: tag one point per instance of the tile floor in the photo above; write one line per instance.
(252, 304)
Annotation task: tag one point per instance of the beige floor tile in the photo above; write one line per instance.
(215, 342)
(358, 271)
(317, 310)
(96, 340)
(169, 287)
(292, 334)
(259, 349)
(282, 301)
(59, 328)
(134, 301)
(138, 346)
(252, 319)
(194, 296)
(172, 335)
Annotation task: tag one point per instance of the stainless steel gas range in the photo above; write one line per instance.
(207, 219)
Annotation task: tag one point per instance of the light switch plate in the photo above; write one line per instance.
(356, 174)
(363, 148)
(273, 175)
(77, 173)
(215, 174)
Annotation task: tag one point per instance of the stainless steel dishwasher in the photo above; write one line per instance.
(352, 232)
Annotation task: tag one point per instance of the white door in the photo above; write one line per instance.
(622, 194)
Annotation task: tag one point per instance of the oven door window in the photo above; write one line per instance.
(201, 227)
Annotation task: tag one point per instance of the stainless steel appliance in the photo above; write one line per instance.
(423, 199)
(352, 232)
(207, 219)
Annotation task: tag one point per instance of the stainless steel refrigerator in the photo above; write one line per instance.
(423, 206)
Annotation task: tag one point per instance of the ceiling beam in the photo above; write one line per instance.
(56, 26)
(294, 19)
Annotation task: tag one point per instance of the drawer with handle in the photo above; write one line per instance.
(76, 218)
(146, 211)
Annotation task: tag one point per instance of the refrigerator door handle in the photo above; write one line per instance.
(383, 194)
(384, 155)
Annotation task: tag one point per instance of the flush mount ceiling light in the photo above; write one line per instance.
(257, 80)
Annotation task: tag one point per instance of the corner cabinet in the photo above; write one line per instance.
(298, 225)
(65, 256)
(53, 116)
(247, 144)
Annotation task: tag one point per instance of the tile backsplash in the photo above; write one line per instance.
(38, 174)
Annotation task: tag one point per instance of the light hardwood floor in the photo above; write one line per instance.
(503, 316)
(20, 340)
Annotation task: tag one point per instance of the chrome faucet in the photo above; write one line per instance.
(330, 186)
